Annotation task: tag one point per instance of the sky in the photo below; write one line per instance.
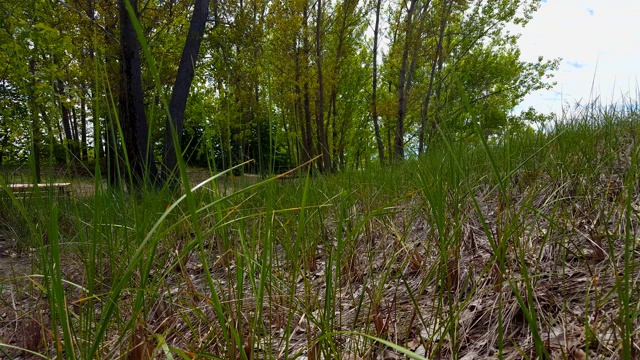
(599, 43)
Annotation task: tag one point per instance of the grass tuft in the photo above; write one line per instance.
(522, 246)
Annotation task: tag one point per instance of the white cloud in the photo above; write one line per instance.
(599, 42)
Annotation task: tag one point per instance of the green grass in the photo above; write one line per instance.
(519, 248)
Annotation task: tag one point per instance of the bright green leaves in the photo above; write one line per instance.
(465, 71)
(256, 88)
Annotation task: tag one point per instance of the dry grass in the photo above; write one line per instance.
(443, 265)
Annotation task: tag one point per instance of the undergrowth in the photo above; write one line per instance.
(519, 246)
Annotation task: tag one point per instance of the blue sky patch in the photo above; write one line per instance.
(583, 40)
(575, 64)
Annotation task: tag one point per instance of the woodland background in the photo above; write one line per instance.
(280, 82)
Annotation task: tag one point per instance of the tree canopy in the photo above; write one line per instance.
(344, 82)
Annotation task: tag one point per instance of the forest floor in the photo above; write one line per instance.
(535, 259)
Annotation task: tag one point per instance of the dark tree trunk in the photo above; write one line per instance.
(133, 119)
(374, 97)
(332, 112)
(341, 145)
(75, 146)
(110, 141)
(406, 74)
(325, 164)
(402, 80)
(389, 122)
(182, 85)
(417, 41)
(66, 118)
(36, 135)
(425, 105)
(74, 128)
(97, 146)
(306, 152)
(292, 151)
(83, 129)
(349, 8)
(262, 164)
(434, 124)
(307, 121)
(36, 146)
(389, 141)
(307, 102)
(50, 127)
(412, 37)
(296, 124)
(263, 161)
(111, 155)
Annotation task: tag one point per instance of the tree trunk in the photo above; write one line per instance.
(307, 122)
(325, 164)
(50, 127)
(307, 106)
(262, 164)
(36, 135)
(113, 165)
(74, 128)
(182, 85)
(302, 111)
(75, 146)
(83, 129)
(413, 37)
(348, 6)
(291, 151)
(374, 96)
(66, 119)
(436, 59)
(264, 160)
(434, 124)
(402, 80)
(133, 119)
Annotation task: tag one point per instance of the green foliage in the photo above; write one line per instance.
(256, 84)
